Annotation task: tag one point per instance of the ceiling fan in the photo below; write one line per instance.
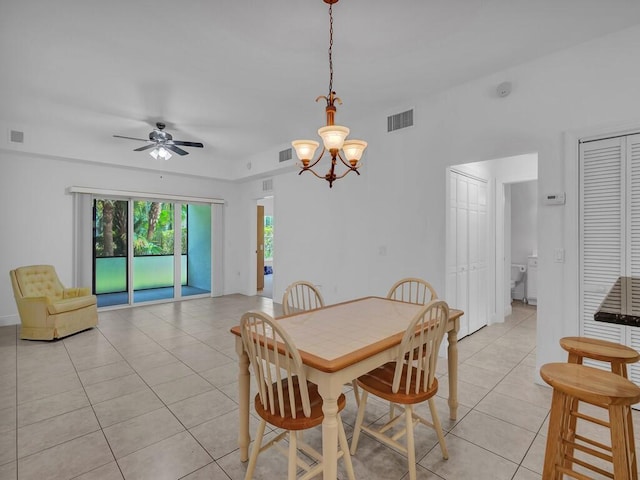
(162, 143)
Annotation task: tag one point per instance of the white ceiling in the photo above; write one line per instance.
(241, 76)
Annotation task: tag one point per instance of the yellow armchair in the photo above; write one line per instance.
(47, 309)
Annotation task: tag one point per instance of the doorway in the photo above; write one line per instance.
(264, 247)
(498, 173)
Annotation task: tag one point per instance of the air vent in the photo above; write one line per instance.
(400, 120)
(286, 155)
(267, 185)
(16, 136)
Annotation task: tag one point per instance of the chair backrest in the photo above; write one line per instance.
(420, 345)
(301, 296)
(275, 362)
(413, 290)
(36, 281)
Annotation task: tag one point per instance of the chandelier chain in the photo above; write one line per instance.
(330, 52)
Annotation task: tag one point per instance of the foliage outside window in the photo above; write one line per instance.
(153, 228)
(110, 228)
(268, 237)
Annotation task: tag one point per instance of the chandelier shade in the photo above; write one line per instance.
(353, 150)
(305, 149)
(334, 137)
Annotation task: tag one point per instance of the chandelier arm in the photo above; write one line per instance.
(316, 160)
(308, 169)
(346, 172)
(346, 164)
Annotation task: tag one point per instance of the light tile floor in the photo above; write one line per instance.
(152, 394)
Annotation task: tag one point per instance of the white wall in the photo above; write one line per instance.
(337, 236)
(37, 213)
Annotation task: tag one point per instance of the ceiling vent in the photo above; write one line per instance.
(400, 120)
(267, 185)
(16, 136)
(286, 155)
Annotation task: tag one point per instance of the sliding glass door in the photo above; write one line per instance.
(153, 250)
(110, 251)
(147, 250)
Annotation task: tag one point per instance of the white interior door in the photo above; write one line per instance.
(467, 260)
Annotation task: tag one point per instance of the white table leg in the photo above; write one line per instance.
(244, 378)
(330, 393)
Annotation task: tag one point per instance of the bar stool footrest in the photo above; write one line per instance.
(593, 443)
(573, 474)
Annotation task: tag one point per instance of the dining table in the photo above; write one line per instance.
(338, 343)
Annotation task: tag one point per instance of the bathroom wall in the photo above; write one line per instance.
(524, 225)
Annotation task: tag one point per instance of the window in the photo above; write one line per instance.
(268, 237)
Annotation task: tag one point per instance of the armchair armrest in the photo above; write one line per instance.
(76, 292)
(70, 304)
(33, 310)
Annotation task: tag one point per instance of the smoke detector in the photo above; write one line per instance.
(504, 89)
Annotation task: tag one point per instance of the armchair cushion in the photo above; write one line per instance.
(47, 309)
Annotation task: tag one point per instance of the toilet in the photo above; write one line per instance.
(517, 274)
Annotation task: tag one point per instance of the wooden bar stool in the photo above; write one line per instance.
(614, 353)
(572, 384)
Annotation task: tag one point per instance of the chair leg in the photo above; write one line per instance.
(344, 446)
(359, 419)
(438, 428)
(255, 450)
(356, 392)
(293, 456)
(411, 449)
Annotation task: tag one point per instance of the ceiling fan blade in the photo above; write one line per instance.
(188, 144)
(132, 138)
(146, 147)
(173, 148)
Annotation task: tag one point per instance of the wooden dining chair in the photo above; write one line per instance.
(301, 296)
(410, 290)
(285, 398)
(408, 383)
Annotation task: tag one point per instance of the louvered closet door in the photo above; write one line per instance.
(633, 234)
(602, 239)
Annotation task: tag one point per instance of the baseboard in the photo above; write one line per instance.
(9, 320)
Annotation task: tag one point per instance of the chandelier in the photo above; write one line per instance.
(333, 136)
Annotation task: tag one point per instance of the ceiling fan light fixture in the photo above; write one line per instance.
(161, 153)
(162, 143)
